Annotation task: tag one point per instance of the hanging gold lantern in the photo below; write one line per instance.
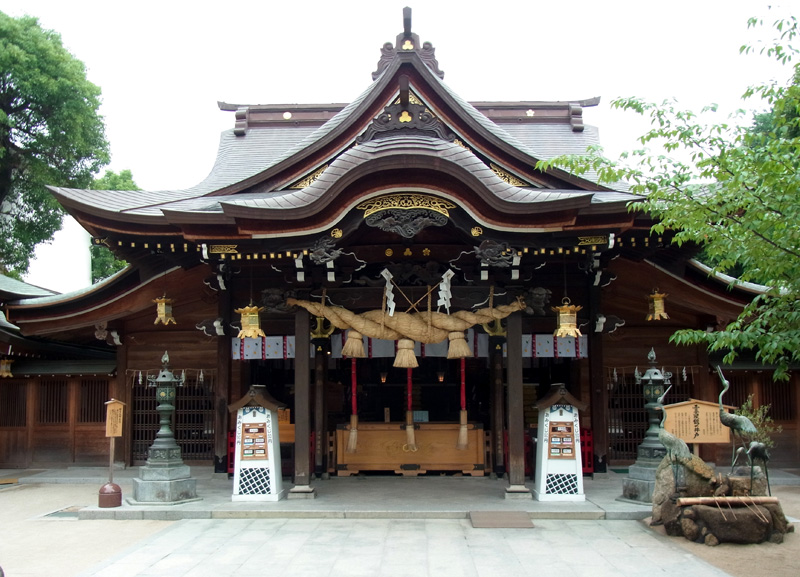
(251, 323)
(567, 319)
(657, 311)
(164, 311)
(5, 368)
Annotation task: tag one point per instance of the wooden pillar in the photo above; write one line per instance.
(302, 413)
(122, 390)
(515, 411)
(498, 403)
(321, 348)
(222, 387)
(597, 385)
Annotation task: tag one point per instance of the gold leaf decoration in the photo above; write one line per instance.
(406, 201)
(310, 179)
(506, 177)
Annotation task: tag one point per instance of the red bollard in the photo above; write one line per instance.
(110, 496)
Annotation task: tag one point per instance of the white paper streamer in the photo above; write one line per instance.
(389, 294)
(444, 291)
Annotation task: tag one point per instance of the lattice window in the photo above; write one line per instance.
(193, 421)
(627, 418)
(737, 394)
(780, 397)
(52, 409)
(13, 403)
(93, 394)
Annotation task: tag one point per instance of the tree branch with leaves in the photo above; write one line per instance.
(51, 132)
(732, 188)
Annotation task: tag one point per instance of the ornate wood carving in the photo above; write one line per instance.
(406, 223)
(309, 180)
(406, 201)
(405, 114)
(507, 177)
(492, 253)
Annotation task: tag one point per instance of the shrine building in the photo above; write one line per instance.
(397, 266)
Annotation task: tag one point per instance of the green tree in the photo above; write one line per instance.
(104, 263)
(50, 133)
(735, 191)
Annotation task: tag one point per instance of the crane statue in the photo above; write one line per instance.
(738, 424)
(758, 451)
(676, 448)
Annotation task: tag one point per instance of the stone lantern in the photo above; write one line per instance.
(640, 482)
(164, 479)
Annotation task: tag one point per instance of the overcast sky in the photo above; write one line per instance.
(162, 66)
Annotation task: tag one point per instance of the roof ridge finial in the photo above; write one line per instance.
(407, 22)
(407, 41)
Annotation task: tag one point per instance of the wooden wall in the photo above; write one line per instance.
(53, 421)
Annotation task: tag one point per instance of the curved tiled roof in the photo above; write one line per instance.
(407, 149)
(11, 288)
(243, 158)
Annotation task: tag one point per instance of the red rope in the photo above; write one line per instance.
(463, 386)
(408, 388)
(353, 386)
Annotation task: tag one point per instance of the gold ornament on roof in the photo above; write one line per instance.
(336, 233)
(587, 240)
(223, 249)
(406, 201)
(408, 45)
(412, 99)
(507, 177)
(310, 179)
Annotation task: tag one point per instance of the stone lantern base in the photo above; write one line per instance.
(640, 483)
(164, 485)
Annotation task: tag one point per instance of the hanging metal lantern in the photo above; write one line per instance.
(657, 311)
(5, 368)
(164, 311)
(567, 319)
(251, 323)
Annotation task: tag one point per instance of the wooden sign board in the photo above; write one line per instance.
(254, 442)
(562, 440)
(115, 410)
(696, 421)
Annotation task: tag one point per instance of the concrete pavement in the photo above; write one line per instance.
(372, 525)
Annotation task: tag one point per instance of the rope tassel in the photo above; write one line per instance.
(354, 346)
(405, 355)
